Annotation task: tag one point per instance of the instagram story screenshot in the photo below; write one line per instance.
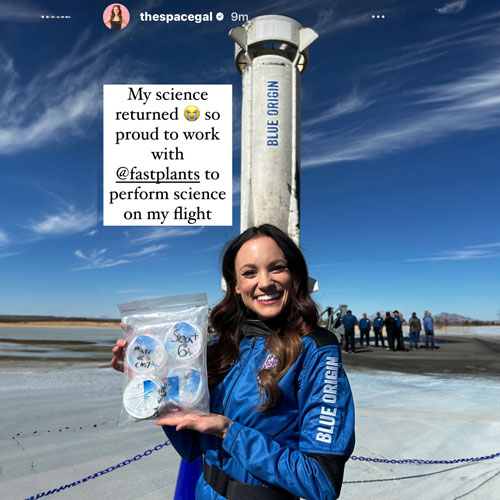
(250, 250)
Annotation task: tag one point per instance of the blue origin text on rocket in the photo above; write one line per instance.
(272, 126)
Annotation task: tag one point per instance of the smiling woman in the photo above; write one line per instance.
(282, 416)
(262, 277)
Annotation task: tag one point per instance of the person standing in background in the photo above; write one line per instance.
(349, 321)
(399, 332)
(378, 324)
(415, 327)
(429, 330)
(391, 329)
(364, 329)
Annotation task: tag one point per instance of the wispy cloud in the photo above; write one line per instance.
(132, 290)
(4, 255)
(151, 250)
(471, 92)
(236, 191)
(20, 11)
(485, 245)
(78, 102)
(4, 240)
(354, 102)
(100, 259)
(330, 264)
(212, 248)
(198, 273)
(332, 20)
(92, 233)
(285, 7)
(470, 103)
(97, 260)
(66, 221)
(408, 59)
(452, 7)
(159, 233)
(466, 253)
(476, 32)
(60, 101)
(236, 186)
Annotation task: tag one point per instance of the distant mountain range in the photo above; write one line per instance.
(451, 319)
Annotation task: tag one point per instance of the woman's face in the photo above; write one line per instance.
(262, 277)
(116, 10)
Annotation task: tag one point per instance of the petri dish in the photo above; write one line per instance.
(183, 341)
(145, 354)
(183, 387)
(143, 396)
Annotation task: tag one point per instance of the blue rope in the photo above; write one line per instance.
(146, 453)
(158, 447)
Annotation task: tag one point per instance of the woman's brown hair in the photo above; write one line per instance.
(119, 15)
(298, 318)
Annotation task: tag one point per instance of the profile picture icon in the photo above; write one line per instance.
(116, 16)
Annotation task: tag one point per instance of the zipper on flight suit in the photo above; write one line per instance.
(236, 381)
(241, 371)
(219, 445)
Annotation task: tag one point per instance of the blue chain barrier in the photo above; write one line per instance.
(146, 453)
(158, 447)
(418, 461)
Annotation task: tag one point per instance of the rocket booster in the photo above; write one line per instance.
(271, 53)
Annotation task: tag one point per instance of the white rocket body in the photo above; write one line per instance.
(271, 53)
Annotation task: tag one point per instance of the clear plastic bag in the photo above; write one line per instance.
(165, 359)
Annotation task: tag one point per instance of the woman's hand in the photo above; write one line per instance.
(119, 355)
(217, 425)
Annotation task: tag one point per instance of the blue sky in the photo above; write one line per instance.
(400, 145)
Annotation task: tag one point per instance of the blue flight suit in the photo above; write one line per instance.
(429, 331)
(378, 324)
(399, 333)
(301, 446)
(349, 321)
(364, 330)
